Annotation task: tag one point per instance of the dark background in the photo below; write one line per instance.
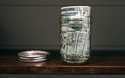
(35, 24)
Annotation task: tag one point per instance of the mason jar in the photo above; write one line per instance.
(75, 33)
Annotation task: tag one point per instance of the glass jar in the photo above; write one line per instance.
(75, 33)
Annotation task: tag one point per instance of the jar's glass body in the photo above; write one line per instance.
(75, 33)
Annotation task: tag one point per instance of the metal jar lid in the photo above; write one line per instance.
(32, 56)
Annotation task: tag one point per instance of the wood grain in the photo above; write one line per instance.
(96, 65)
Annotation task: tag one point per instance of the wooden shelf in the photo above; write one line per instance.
(112, 64)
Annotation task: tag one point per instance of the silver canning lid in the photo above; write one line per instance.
(32, 60)
(33, 53)
(32, 56)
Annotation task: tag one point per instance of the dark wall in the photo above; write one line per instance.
(29, 27)
(36, 23)
(109, 27)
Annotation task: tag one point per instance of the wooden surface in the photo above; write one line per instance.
(112, 64)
